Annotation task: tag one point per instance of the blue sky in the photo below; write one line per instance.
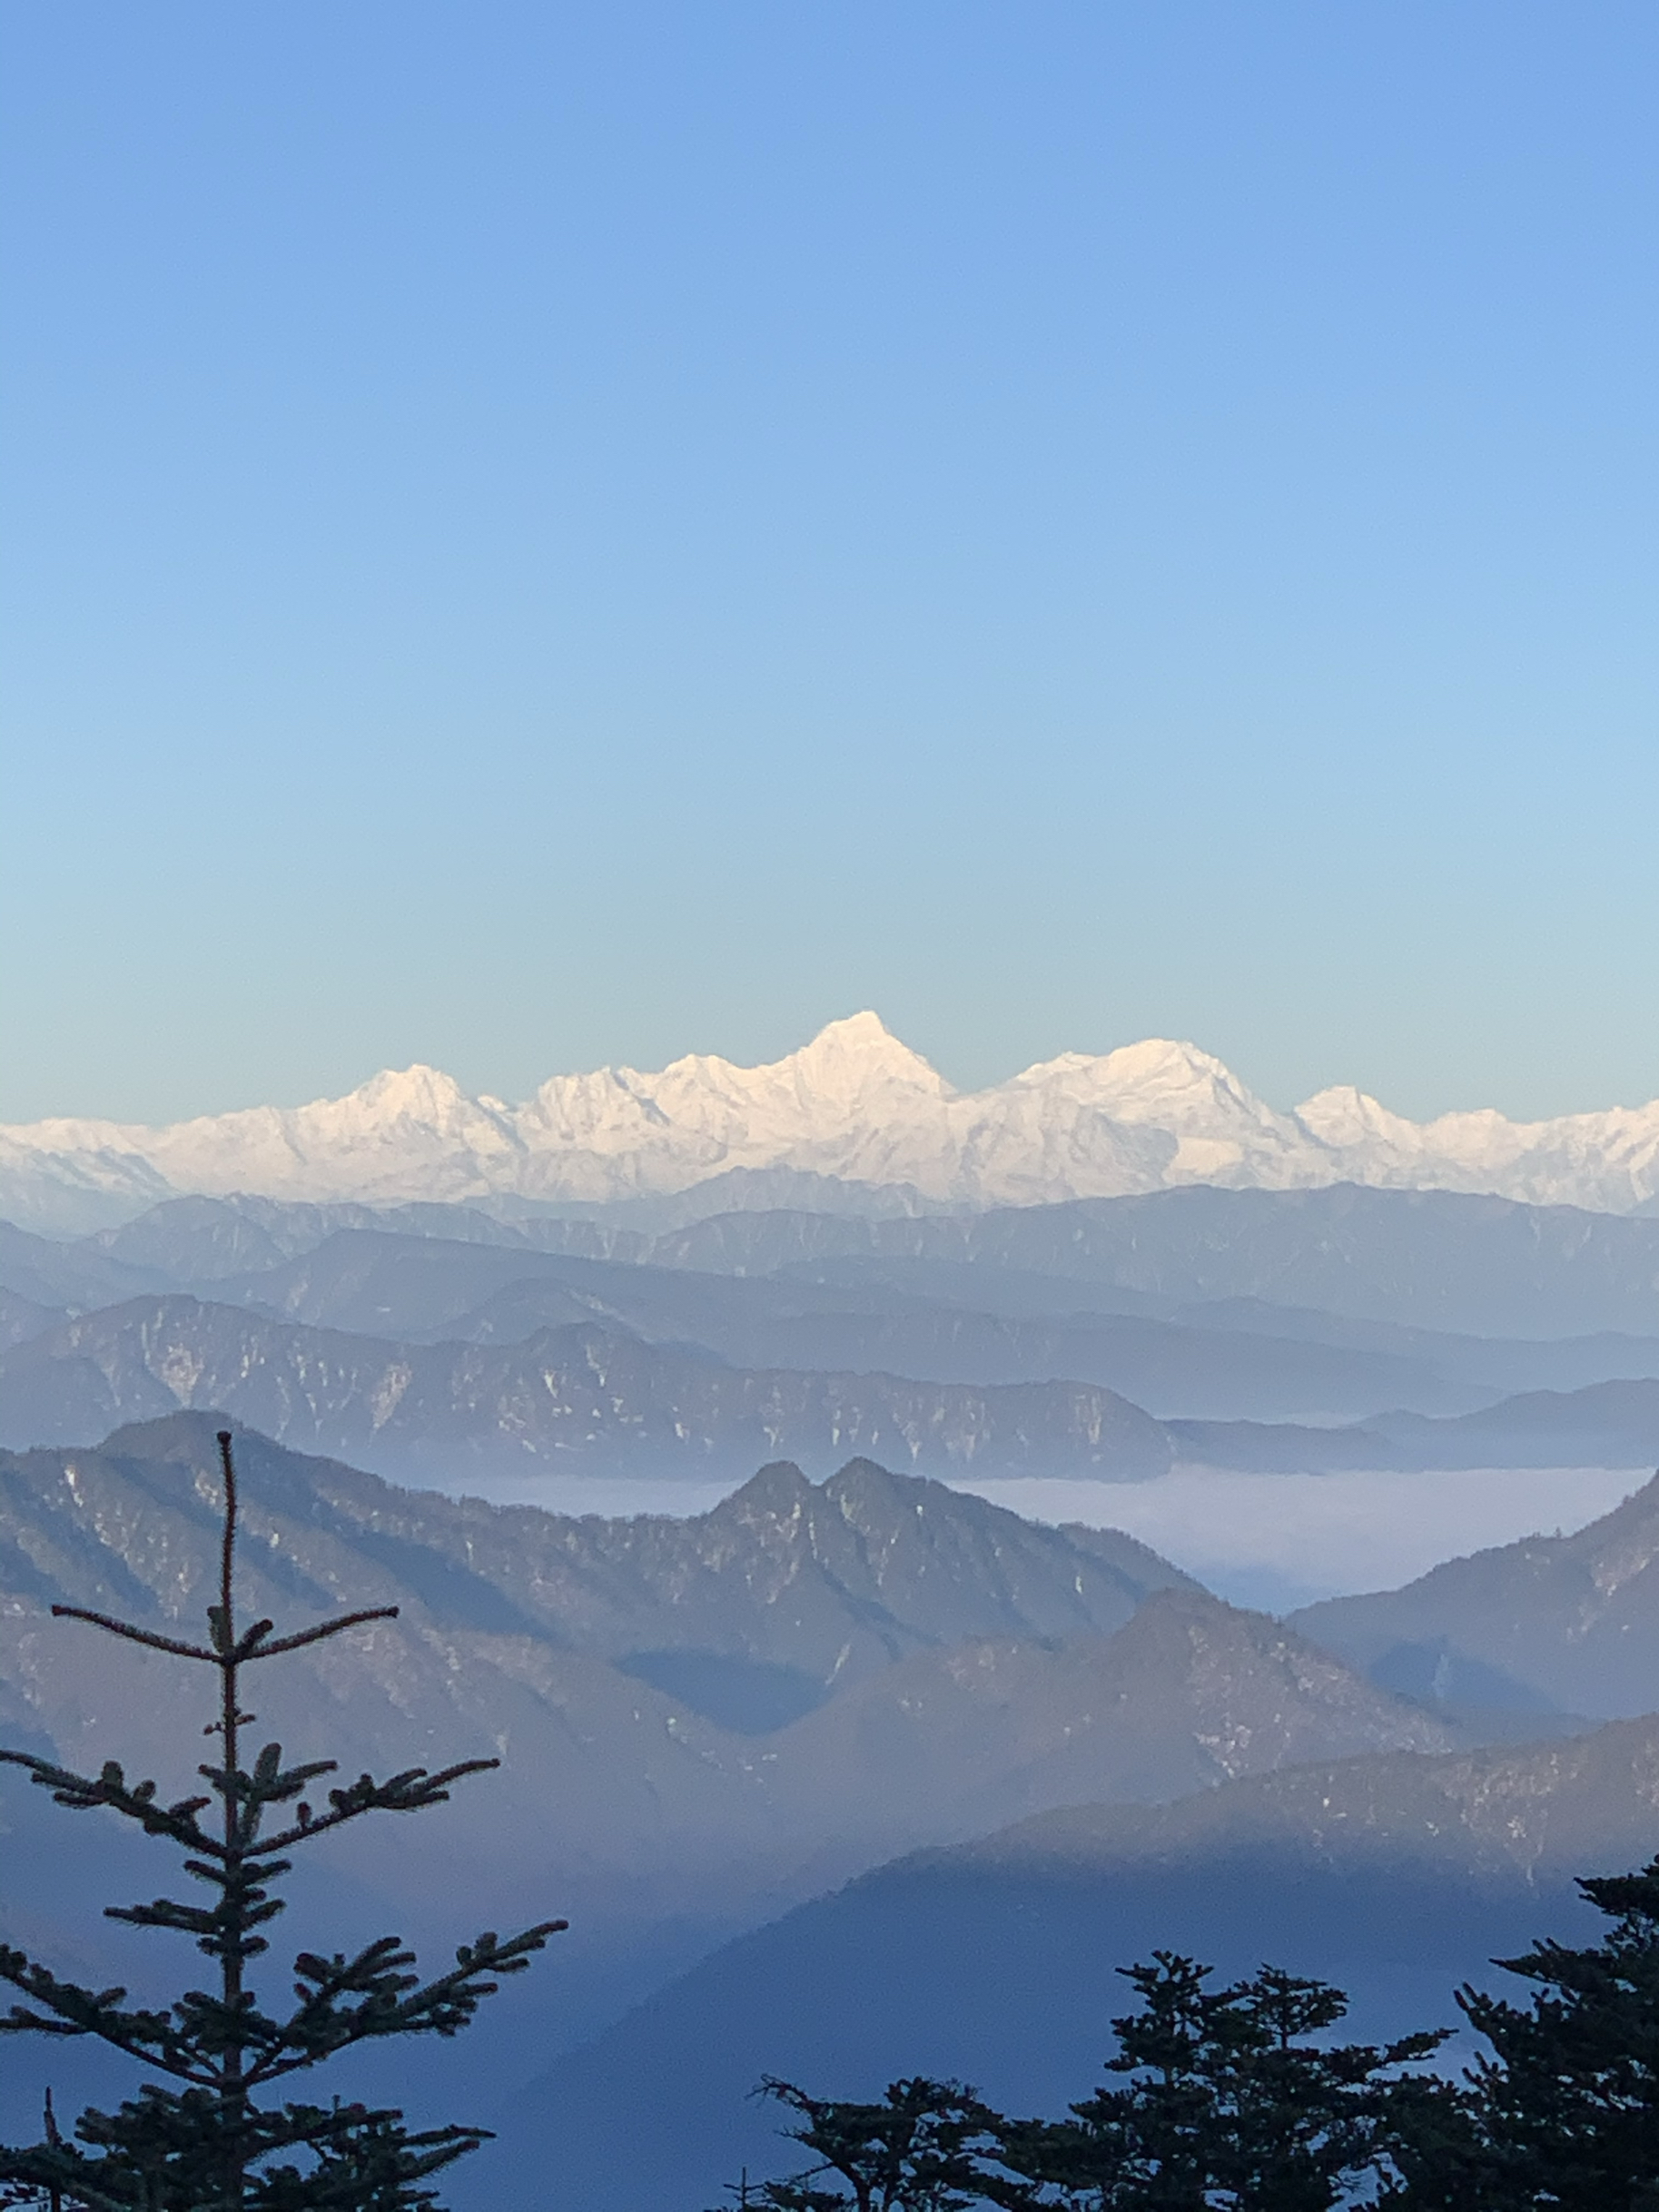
(538, 535)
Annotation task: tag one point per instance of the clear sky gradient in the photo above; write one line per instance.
(541, 534)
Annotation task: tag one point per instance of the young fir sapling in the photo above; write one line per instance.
(208, 2137)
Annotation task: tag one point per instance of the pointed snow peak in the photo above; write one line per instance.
(850, 1064)
(416, 1097)
(414, 1090)
(860, 1032)
(847, 1053)
(1343, 1115)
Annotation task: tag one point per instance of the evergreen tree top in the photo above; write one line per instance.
(202, 2139)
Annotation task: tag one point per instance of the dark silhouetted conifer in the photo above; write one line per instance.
(920, 2150)
(1227, 2102)
(1567, 2106)
(209, 2135)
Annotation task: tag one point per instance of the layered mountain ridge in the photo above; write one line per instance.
(585, 1399)
(1317, 1332)
(756, 1699)
(855, 1107)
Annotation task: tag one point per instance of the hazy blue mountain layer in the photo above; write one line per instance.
(1437, 1260)
(1608, 1425)
(839, 1580)
(1395, 1877)
(455, 1274)
(805, 1679)
(580, 1396)
(586, 1397)
(76, 1276)
(23, 1318)
(425, 1290)
(442, 1343)
(1424, 1260)
(1569, 1623)
(705, 1722)
(1501, 1366)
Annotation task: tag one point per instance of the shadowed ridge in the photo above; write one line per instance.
(1136, 1562)
(991, 1960)
(777, 1489)
(445, 1413)
(1570, 1623)
(863, 1483)
(1186, 1635)
(1536, 1812)
(1189, 1692)
(188, 1435)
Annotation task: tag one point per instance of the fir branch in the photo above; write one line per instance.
(389, 1999)
(207, 2142)
(137, 1801)
(410, 1791)
(73, 2010)
(216, 1928)
(322, 1630)
(364, 2157)
(113, 1627)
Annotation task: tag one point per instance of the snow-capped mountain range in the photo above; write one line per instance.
(855, 1105)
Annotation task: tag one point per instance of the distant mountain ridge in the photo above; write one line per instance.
(1262, 1261)
(855, 1107)
(705, 1721)
(576, 1398)
(593, 1397)
(1297, 1330)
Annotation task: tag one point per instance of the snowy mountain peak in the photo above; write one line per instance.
(1167, 1061)
(1143, 1081)
(854, 1104)
(860, 1036)
(860, 1051)
(1343, 1115)
(1152, 1076)
(416, 1093)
